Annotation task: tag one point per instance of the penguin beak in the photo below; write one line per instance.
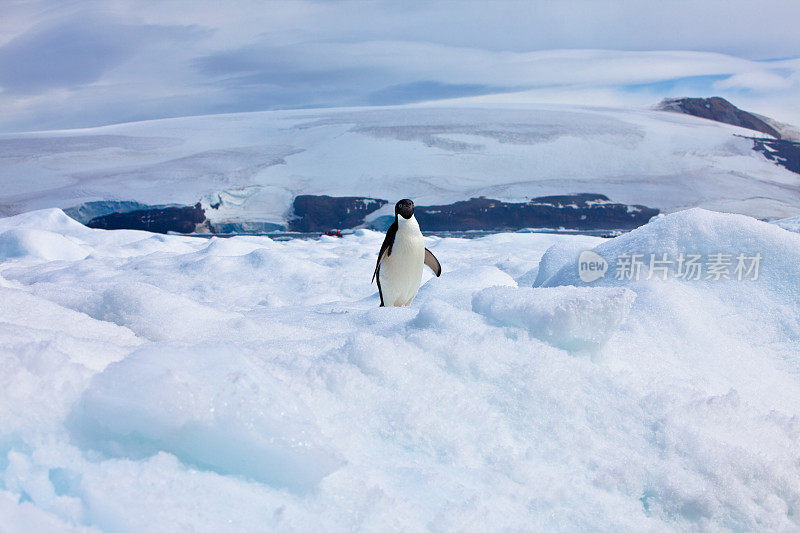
(405, 208)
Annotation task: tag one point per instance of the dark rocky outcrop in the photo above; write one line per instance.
(719, 109)
(319, 214)
(573, 212)
(578, 212)
(782, 152)
(159, 220)
(323, 213)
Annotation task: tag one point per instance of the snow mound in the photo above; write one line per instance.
(212, 407)
(23, 517)
(21, 242)
(728, 319)
(705, 234)
(54, 220)
(248, 384)
(556, 257)
(458, 287)
(571, 318)
(791, 224)
(148, 310)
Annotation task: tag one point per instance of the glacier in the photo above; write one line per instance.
(246, 169)
(165, 382)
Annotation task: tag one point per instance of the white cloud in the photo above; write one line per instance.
(758, 80)
(152, 59)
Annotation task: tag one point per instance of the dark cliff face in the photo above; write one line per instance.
(575, 212)
(578, 212)
(720, 110)
(323, 213)
(318, 214)
(164, 220)
(781, 152)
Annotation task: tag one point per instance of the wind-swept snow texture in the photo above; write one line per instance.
(792, 224)
(250, 166)
(169, 383)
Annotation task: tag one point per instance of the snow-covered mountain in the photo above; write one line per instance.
(250, 166)
(720, 110)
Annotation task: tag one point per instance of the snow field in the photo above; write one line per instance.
(252, 165)
(155, 383)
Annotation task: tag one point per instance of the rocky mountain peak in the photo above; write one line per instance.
(719, 109)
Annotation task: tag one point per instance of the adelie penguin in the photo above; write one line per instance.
(402, 256)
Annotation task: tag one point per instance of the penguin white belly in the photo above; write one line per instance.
(401, 272)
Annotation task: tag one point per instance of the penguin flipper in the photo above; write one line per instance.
(381, 257)
(433, 263)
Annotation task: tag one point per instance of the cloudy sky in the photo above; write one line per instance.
(66, 64)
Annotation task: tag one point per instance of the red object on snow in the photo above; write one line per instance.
(333, 233)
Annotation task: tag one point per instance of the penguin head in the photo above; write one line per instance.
(404, 208)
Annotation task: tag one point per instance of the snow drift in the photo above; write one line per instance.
(207, 407)
(567, 317)
(167, 382)
(791, 223)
